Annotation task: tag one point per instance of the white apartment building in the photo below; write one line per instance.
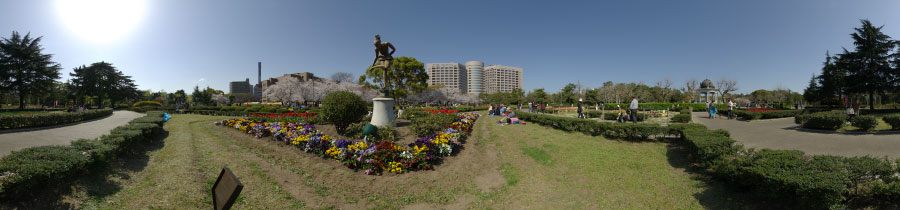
(475, 71)
(474, 78)
(451, 75)
(498, 78)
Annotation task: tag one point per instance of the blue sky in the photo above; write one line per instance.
(174, 45)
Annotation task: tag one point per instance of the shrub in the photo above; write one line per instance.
(681, 118)
(824, 120)
(864, 122)
(49, 119)
(342, 108)
(122, 106)
(817, 182)
(147, 103)
(591, 127)
(29, 168)
(24, 170)
(893, 120)
(612, 115)
(431, 124)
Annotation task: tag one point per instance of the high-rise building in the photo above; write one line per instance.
(451, 75)
(474, 78)
(240, 87)
(257, 89)
(498, 78)
(475, 72)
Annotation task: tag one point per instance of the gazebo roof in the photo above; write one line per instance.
(706, 84)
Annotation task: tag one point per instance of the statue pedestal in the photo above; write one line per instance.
(383, 112)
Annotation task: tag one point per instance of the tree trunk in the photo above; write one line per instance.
(872, 100)
(21, 100)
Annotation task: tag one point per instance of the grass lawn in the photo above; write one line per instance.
(501, 167)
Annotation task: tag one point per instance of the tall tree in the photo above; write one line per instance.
(813, 92)
(25, 69)
(869, 69)
(537, 96)
(832, 79)
(406, 76)
(690, 90)
(726, 86)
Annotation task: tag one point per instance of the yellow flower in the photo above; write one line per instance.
(418, 149)
(333, 152)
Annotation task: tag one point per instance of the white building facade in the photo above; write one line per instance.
(474, 78)
(450, 75)
(499, 78)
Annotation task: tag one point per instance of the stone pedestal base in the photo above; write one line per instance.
(383, 112)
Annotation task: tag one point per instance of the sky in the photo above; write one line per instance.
(176, 44)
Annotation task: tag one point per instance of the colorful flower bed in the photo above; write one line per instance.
(441, 111)
(372, 157)
(284, 117)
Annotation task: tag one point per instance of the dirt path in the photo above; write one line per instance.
(64, 135)
(784, 134)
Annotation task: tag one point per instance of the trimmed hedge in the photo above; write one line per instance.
(893, 120)
(33, 168)
(49, 119)
(590, 127)
(748, 115)
(823, 120)
(864, 122)
(681, 118)
(611, 115)
(147, 104)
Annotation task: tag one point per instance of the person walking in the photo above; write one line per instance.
(708, 111)
(580, 115)
(730, 110)
(633, 108)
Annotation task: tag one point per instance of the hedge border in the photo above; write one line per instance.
(24, 170)
(50, 119)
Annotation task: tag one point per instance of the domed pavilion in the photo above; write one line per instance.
(707, 92)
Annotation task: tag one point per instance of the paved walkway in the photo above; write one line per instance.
(784, 134)
(64, 135)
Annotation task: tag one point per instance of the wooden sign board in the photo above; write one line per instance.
(226, 190)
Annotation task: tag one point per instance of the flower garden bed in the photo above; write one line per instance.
(373, 157)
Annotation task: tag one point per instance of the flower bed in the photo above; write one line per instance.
(284, 117)
(371, 156)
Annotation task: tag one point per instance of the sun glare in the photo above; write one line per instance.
(101, 20)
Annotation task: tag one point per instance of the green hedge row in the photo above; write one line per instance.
(789, 176)
(659, 106)
(611, 115)
(49, 119)
(32, 168)
(809, 182)
(747, 115)
(641, 131)
(832, 120)
(893, 120)
(864, 122)
(681, 118)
